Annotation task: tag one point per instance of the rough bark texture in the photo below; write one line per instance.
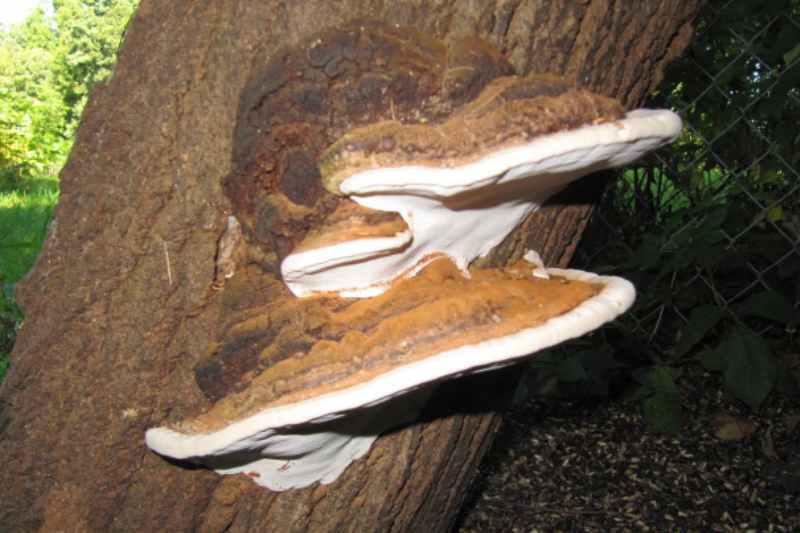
(121, 305)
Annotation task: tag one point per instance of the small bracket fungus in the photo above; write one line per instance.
(376, 162)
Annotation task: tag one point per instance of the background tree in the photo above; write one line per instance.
(32, 113)
(112, 335)
(89, 33)
(47, 68)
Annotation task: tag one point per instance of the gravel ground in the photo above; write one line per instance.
(571, 466)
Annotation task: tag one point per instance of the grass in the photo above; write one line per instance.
(24, 214)
(25, 211)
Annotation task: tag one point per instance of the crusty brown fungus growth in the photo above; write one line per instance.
(373, 77)
(509, 111)
(374, 164)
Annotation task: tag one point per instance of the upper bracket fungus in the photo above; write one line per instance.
(473, 183)
(377, 162)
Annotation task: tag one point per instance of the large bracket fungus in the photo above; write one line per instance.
(374, 164)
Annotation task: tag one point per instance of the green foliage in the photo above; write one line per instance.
(90, 32)
(584, 370)
(688, 280)
(702, 320)
(704, 317)
(707, 231)
(24, 215)
(748, 365)
(660, 397)
(32, 114)
(47, 68)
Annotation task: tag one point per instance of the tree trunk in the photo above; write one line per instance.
(120, 305)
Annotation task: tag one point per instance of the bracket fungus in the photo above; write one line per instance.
(477, 177)
(366, 220)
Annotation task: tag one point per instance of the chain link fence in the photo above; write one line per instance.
(709, 228)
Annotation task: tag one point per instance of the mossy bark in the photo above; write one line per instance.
(121, 304)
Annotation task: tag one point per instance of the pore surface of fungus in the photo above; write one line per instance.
(377, 162)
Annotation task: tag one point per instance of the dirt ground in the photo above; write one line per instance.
(592, 466)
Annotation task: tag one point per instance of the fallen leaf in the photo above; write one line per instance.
(791, 422)
(729, 428)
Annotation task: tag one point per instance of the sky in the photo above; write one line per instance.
(15, 11)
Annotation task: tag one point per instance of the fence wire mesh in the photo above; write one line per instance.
(713, 221)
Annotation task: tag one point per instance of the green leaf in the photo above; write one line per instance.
(770, 305)
(751, 371)
(597, 361)
(571, 370)
(648, 255)
(702, 319)
(661, 380)
(521, 393)
(792, 54)
(713, 360)
(713, 222)
(775, 213)
(638, 393)
(710, 256)
(663, 413)
(546, 360)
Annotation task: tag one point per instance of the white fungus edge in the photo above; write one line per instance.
(454, 211)
(296, 445)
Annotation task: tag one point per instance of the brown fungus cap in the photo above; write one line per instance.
(509, 112)
(341, 343)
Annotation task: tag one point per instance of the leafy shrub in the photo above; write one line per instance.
(697, 305)
(708, 230)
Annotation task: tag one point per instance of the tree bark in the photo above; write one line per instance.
(120, 305)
